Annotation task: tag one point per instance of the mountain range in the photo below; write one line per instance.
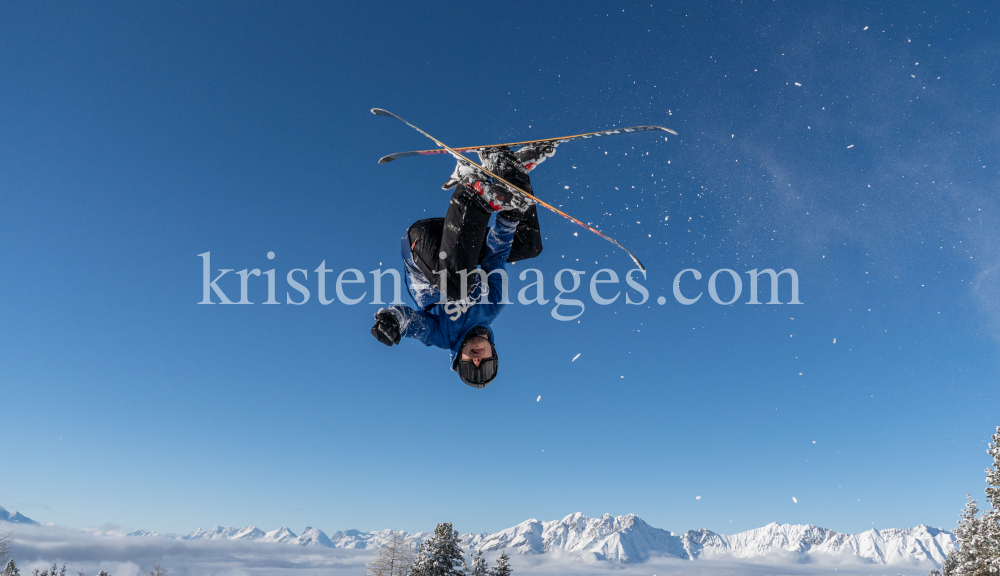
(15, 517)
(629, 539)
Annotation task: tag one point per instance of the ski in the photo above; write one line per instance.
(459, 157)
(612, 132)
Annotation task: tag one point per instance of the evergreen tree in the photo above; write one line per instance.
(978, 537)
(441, 555)
(991, 518)
(969, 559)
(53, 572)
(479, 567)
(502, 567)
(11, 569)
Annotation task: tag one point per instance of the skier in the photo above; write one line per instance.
(441, 255)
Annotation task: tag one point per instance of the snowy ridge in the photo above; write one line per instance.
(629, 539)
(310, 536)
(888, 546)
(621, 538)
(15, 517)
(358, 539)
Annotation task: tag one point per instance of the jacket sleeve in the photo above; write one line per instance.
(498, 244)
(419, 325)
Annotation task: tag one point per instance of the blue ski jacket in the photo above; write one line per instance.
(445, 325)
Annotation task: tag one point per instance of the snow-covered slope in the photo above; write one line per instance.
(621, 538)
(310, 536)
(227, 533)
(629, 539)
(282, 535)
(889, 546)
(358, 539)
(15, 517)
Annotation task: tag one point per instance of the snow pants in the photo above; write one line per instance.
(457, 242)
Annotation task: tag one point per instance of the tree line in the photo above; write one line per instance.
(439, 555)
(11, 569)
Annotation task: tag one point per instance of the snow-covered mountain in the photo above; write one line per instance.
(358, 539)
(15, 517)
(630, 539)
(888, 546)
(281, 535)
(621, 538)
(227, 533)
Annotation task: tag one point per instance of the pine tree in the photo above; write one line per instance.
(441, 555)
(53, 572)
(978, 537)
(502, 567)
(479, 567)
(11, 569)
(969, 559)
(991, 518)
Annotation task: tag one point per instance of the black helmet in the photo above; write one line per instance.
(477, 377)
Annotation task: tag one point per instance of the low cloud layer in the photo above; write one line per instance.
(40, 546)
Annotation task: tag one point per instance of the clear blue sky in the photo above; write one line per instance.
(135, 136)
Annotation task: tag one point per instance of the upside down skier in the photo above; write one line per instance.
(439, 253)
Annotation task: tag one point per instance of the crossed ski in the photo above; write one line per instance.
(560, 140)
(460, 158)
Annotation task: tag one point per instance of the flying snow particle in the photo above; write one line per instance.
(794, 499)
(539, 399)
(575, 234)
(814, 441)
(566, 187)
(574, 358)
(851, 146)
(866, 28)
(797, 84)
(834, 340)
(697, 497)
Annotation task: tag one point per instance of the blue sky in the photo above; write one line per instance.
(137, 136)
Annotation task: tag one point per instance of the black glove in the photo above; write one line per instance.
(386, 328)
(513, 215)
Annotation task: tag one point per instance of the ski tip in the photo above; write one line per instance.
(381, 112)
(637, 263)
(665, 130)
(386, 159)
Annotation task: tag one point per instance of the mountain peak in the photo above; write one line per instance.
(16, 517)
(629, 539)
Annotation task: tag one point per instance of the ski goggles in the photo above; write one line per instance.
(478, 376)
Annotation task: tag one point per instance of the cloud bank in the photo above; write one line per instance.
(89, 552)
